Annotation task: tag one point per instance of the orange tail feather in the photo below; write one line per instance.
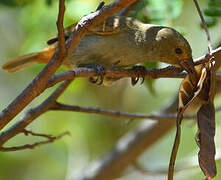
(24, 61)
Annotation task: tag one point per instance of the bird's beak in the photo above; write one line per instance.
(188, 65)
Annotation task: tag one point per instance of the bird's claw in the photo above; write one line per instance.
(141, 72)
(100, 72)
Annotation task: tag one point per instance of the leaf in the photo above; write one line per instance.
(190, 88)
(14, 3)
(210, 22)
(213, 11)
(204, 92)
(206, 124)
(48, 2)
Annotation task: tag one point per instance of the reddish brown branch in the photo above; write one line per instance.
(168, 72)
(60, 28)
(38, 84)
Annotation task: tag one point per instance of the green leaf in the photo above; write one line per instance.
(214, 3)
(14, 3)
(210, 22)
(48, 2)
(213, 11)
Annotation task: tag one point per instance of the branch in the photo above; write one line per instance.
(117, 114)
(32, 114)
(216, 53)
(50, 138)
(168, 72)
(38, 85)
(51, 104)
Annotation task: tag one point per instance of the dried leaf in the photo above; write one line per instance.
(206, 124)
(189, 90)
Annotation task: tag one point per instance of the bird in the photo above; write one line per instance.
(118, 41)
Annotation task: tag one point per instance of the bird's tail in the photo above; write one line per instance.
(24, 61)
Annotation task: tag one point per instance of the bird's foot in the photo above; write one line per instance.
(141, 72)
(100, 72)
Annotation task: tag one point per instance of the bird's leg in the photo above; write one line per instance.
(141, 72)
(100, 71)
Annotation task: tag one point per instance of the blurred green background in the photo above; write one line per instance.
(25, 25)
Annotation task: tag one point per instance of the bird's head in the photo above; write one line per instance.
(173, 48)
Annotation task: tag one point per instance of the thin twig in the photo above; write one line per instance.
(205, 26)
(50, 139)
(117, 114)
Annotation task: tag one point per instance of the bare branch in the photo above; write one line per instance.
(32, 114)
(60, 28)
(50, 139)
(168, 72)
(117, 114)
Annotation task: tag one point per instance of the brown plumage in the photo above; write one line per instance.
(119, 38)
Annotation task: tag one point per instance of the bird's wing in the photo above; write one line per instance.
(109, 27)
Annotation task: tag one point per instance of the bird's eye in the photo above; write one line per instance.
(178, 51)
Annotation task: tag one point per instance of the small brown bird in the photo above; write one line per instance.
(118, 39)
